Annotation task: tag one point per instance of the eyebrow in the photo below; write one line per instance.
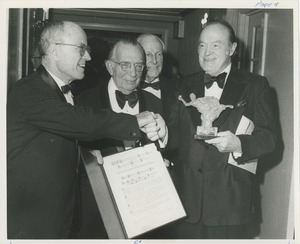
(139, 62)
(218, 41)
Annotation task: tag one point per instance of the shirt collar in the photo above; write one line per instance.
(113, 100)
(112, 86)
(58, 81)
(155, 80)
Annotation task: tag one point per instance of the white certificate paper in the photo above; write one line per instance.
(142, 189)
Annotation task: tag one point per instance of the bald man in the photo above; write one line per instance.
(43, 126)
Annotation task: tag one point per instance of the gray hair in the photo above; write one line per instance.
(149, 35)
(50, 34)
(112, 53)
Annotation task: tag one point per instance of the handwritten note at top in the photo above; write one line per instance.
(267, 4)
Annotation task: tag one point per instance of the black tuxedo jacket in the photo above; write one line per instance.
(42, 129)
(169, 112)
(213, 190)
(98, 98)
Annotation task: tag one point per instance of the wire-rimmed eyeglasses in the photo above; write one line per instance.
(126, 66)
(82, 48)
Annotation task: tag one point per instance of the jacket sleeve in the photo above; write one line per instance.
(43, 109)
(263, 138)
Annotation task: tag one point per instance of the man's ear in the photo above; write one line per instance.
(232, 48)
(109, 66)
(53, 51)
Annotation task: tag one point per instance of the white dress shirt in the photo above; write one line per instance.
(60, 83)
(114, 104)
(215, 90)
(127, 109)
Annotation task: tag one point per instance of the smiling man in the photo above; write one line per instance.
(153, 47)
(217, 195)
(43, 128)
(126, 63)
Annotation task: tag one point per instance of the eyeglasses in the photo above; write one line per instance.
(126, 66)
(82, 48)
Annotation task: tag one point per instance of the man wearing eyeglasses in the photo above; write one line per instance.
(122, 94)
(43, 127)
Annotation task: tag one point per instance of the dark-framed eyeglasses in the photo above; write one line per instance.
(82, 48)
(126, 66)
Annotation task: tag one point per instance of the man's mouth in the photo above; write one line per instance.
(209, 59)
(152, 68)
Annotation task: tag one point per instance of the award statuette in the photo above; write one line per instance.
(210, 110)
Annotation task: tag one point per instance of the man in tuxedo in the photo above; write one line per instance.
(153, 47)
(163, 88)
(121, 94)
(153, 80)
(216, 194)
(43, 127)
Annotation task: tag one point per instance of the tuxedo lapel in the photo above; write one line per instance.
(47, 78)
(142, 101)
(232, 93)
(104, 97)
(164, 103)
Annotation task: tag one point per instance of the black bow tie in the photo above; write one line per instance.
(66, 88)
(132, 98)
(154, 85)
(209, 80)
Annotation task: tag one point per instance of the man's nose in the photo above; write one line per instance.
(207, 50)
(132, 71)
(87, 56)
(154, 59)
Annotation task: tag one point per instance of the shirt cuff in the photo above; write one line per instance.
(163, 143)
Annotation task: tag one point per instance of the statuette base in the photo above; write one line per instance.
(206, 133)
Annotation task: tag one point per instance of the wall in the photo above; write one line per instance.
(125, 21)
(187, 52)
(15, 42)
(275, 189)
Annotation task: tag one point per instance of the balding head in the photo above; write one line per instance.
(63, 46)
(148, 37)
(153, 47)
(126, 64)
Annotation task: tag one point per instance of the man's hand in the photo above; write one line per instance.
(144, 119)
(153, 125)
(158, 131)
(148, 124)
(161, 126)
(226, 142)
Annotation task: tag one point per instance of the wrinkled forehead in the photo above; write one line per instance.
(129, 52)
(152, 43)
